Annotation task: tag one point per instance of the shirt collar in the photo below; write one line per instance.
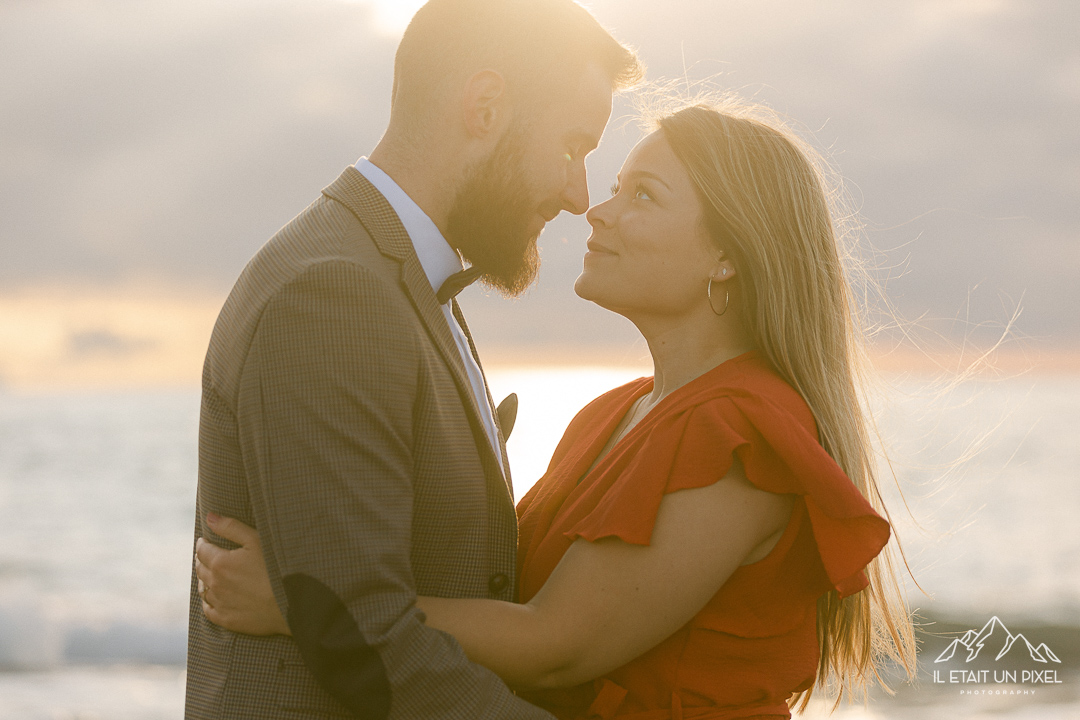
(437, 258)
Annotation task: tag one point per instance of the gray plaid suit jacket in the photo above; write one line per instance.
(337, 419)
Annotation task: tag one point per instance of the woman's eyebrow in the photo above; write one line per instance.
(649, 175)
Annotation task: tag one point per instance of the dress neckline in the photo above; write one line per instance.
(589, 461)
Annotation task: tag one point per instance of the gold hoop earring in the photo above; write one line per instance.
(727, 299)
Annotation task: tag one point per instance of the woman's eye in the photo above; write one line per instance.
(614, 189)
(642, 194)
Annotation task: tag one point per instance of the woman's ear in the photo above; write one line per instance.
(484, 103)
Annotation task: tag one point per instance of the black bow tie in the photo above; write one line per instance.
(456, 283)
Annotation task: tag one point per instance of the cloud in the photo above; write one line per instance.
(90, 336)
(170, 140)
(103, 341)
(173, 139)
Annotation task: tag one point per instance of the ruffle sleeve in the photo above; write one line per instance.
(693, 447)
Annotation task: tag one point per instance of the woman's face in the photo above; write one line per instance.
(649, 253)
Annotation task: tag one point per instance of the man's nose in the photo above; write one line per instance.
(575, 195)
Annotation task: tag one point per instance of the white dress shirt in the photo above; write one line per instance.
(439, 262)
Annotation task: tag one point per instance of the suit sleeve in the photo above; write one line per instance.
(325, 415)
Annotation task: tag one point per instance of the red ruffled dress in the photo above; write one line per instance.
(755, 643)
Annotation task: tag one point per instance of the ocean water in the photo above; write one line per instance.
(97, 499)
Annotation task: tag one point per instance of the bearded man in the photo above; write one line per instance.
(344, 410)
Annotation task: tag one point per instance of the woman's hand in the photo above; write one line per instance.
(234, 584)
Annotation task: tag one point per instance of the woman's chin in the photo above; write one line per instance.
(583, 287)
(578, 284)
(586, 289)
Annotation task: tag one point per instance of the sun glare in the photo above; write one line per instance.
(392, 16)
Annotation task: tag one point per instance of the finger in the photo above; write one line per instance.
(232, 529)
(207, 553)
(208, 596)
(210, 613)
(204, 574)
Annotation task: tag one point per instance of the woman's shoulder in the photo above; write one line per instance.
(747, 408)
(746, 388)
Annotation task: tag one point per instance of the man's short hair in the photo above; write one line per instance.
(537, 45)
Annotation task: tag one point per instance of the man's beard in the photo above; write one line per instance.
(490, 218)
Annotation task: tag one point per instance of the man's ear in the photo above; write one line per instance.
(484, 105)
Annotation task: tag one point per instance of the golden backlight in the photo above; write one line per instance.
(392, 16)
(60, 338)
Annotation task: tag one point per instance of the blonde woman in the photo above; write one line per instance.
(705, 542)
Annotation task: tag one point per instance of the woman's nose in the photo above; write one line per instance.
(601, 215)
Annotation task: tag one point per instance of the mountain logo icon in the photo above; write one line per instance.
(994, 635)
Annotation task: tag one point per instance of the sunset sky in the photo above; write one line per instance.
(151, 147)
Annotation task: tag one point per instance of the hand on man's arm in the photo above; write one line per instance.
(233, 584)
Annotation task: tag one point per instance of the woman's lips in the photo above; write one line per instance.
(597, 250)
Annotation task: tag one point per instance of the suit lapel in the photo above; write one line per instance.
(369, 206)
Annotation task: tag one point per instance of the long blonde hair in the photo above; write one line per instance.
(767, 206)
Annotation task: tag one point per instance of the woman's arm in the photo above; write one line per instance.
(608, 602)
